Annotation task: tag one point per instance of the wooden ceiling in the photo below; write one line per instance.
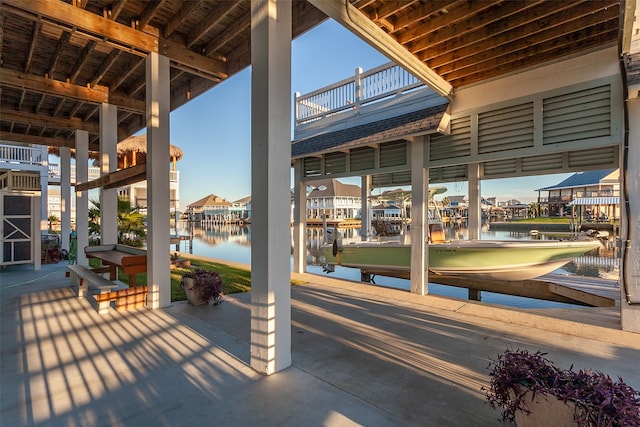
(61, 59)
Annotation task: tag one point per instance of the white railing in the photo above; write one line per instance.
(21, 155)
(54, 172)
(94, 173)
(385, 81)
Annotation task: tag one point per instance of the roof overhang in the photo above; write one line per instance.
(406, 126)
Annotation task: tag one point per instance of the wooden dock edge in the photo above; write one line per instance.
(531, 288)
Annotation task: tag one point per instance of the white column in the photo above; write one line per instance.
(65, 196)
(365, 221)
(270, 181)
(419, 226)
(158, 206)
(82, 197)
(474, 211)
(108, 163)
(44, 192)
(299, 219)
(630, 277)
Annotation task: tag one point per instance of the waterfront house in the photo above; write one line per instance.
(333, 199)
(241, 209)
(590, 195)
(210, 209)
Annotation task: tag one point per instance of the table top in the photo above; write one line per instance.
(118, 258)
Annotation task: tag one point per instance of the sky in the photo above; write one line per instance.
(214, 129)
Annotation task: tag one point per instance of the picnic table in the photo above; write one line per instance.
(128, 259)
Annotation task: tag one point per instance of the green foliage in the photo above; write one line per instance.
(131, 223)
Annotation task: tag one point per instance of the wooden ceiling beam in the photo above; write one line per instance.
(116, 9)
(64, 39)
(69, 123)
(96, 27)
(37, 26)
(230, 33)
(392, 8)
(209, 22)
(457, 14)
(149, 12)
(116, 179)
(104, 67)
(522, 38)
(597, 36)
(134, 64)
(95, 95)
(82, 60)
(52, 87)
(48, 121)
(485, 28)
(40, 140)
(187, 9)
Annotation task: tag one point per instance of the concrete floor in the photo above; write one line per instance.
(362, 355)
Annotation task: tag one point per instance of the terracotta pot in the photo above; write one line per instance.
(546, 411)
(192, 296)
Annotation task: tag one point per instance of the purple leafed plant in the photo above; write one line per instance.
(599, 401)
(206, 284)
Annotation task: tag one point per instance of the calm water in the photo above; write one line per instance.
(232, 243)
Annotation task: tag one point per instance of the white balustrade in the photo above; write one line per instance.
(382, 82)
(20, 155)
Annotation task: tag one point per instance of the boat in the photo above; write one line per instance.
(487, 259)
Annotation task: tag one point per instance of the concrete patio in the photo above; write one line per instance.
(362, 355)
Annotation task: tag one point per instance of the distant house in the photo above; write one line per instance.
(592, 194)
(333, 199)
(457, 207)
(241, 209)
(386, 211)
(210, 208)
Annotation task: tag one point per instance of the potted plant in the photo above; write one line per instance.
(177, 261)
(524, 383)
(202, 287)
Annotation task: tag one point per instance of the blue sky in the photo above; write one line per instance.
(214, 130)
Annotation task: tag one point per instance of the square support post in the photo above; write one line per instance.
(299, 219)
(270, 182)
(108, 163)
(82, 197)
(474, 211)
(365, 221)
(419, 225)
(158, 207)
(65, 196)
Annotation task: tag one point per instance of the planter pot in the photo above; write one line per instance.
(180, 262)
(546, 411)
(192, 296)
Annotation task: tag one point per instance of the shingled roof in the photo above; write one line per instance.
(393, 128)
(209, 201)
(581, 179)
(332, 188)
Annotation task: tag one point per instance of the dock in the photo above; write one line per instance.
(334, 223)
(586, 291)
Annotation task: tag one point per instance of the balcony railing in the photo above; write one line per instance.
(374, 85)
(21, 155)
(94, 173)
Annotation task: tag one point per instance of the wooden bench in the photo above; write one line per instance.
(127, 259)
(108, 290)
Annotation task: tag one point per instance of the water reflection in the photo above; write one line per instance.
(233, 243)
